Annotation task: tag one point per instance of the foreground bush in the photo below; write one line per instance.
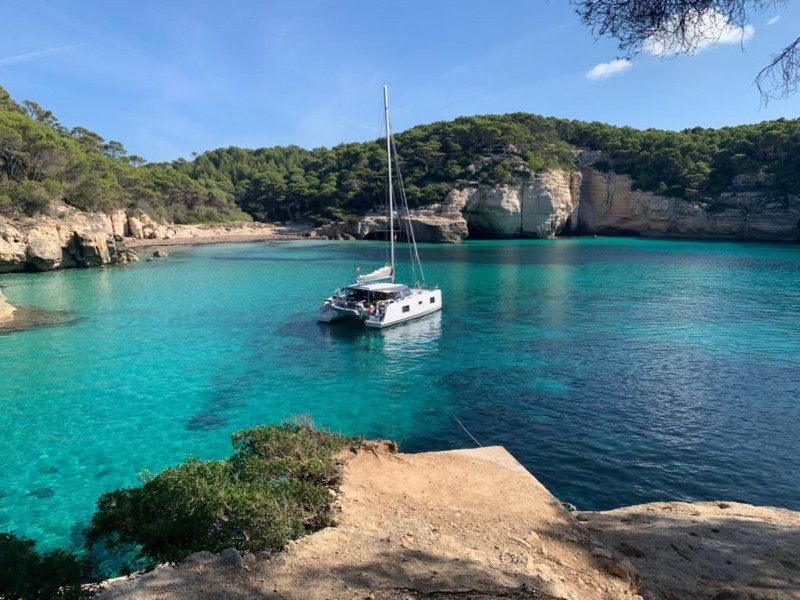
(27, 575)
(272, 490)
(299, 452)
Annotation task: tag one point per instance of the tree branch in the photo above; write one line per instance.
(668, 27)
(780, 78)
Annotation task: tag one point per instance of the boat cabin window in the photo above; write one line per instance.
(406, 308)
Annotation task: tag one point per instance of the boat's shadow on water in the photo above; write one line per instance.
(427, 328)
(32, 317)
(302, 327)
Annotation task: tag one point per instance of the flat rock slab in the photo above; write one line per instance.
(706, 550)
(468, 524)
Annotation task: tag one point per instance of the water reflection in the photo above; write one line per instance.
(413, 338)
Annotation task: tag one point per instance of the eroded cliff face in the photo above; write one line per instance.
(542, 207)
(69, 239)
(750, 211)
(437, 223)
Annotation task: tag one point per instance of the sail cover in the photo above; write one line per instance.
(376, 275)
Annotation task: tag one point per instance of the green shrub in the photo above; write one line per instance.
(271, 491)
(25, 574)
(34, 197)
(299, 452)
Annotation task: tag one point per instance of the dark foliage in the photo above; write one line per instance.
(26, 574)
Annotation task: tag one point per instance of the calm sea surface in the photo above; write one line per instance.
(618, 371)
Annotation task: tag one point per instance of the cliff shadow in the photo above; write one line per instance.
(392, 575)
(698, 552)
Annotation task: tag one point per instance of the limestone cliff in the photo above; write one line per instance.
(71, 238)
(544, 206)
(438, 223)
(750, 210)
(541, 207)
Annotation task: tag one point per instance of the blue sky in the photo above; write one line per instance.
(171, 78)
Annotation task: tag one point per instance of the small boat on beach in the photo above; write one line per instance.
(375, 298)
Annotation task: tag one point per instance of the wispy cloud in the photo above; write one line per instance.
(609, 69)
(774, 20)
(10, 60)
(699, 31)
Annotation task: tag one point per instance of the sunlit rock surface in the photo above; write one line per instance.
(71, 238)
(541, 207)
(750, 211)
(6, 310)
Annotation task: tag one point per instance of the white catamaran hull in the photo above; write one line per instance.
(421, 302)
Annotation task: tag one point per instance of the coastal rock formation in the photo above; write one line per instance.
(144, 228)
(750, 211)
(705, 550)
(441, 222)
(6, 310)
(438, 223)
(71, 238)
(541, 207)
(591, 202)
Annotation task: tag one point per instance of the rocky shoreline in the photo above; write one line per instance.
(475, 524)
(73, 239)
(548, 204)
(591, 202)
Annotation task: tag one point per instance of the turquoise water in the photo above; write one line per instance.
(618, 371)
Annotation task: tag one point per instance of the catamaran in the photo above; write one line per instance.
(375, 298)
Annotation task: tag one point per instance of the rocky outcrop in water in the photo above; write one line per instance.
(71, 238)
(439, 223)
(6, 310)
(750, 210)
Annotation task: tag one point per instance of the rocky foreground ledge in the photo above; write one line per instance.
(474, 524)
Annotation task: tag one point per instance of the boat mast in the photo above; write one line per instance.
(389, 160)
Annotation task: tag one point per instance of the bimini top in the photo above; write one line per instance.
(378, 287)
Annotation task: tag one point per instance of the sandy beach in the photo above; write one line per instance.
(192, 235)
